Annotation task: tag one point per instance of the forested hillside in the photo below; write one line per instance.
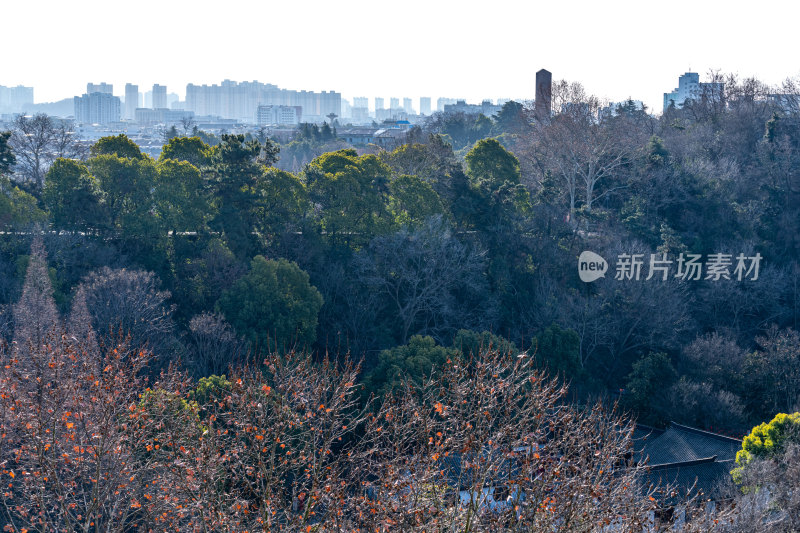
(473, 226)
(404, 275)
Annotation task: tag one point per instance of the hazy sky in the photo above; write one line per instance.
(412, 48)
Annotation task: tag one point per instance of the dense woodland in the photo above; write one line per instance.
(387, 268)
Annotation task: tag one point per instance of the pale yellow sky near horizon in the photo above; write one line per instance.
(464, 49)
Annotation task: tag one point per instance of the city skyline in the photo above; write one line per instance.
(622, 49)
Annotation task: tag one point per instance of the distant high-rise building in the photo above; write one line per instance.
(425, 105)
(172, 98)
(544, 96)
(407, 106)
(148, 100)
(267, 115)
(378, 103)
(346, 109)
(159, 96)
(383, 114)
(149, 117)
(691, 88)
(394, 103)
(97, 108)
(131, 100)
(359, 115)
(240, 100)
(441, 102)
(105, 88)
(486, 107)
(15, 99)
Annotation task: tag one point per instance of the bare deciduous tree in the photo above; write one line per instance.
(214, 345)
(129, 303)
(79, 323)
(39, 140)
(767, 501)
(35, 314)
(73, 442)
(274, 456)
(419, 272)
(773, 371)
(188, 124)
(487, 445)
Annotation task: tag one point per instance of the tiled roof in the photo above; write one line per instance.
(642, 435)
(687, 459)
(707, 476)
(682, 443)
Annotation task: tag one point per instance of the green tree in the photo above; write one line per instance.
(237, 168)
(647, 385)
(210, 389)
(282, 203)
(352, 192)
(415, 361)
(657, 154)
(326, 133)
(511, 119)
(170, 133)
(190, 149)
(461, 128)
(179, 196)
(273, 305)
(128, 184)
(559, 351)
(489, 165)
(768, 474)
(73, 196)
(768, 440)
(498, 206)
(412, 201)
(118, 145)
(481, 128)
(202, 280)
(428, 161)
(471, 342)
(17, 207)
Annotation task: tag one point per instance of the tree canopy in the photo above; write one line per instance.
(273, 306)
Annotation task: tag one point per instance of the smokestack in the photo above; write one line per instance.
(544, 96)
